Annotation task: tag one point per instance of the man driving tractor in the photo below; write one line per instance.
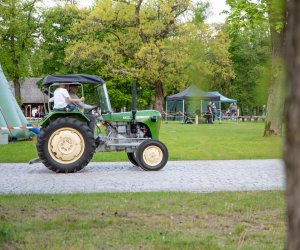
(73, 88)
(62, 99)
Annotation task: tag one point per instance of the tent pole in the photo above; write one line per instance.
(220, 116)
(201, 106)
(183, 111)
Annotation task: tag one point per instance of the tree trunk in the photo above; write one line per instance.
(292, 144)
(17, 86)
(159, 97)
(273, 125)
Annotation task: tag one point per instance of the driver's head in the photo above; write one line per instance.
(73, 88)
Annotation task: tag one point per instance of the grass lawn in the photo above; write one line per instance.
(229, 220)
(228, 140)
(232, 220)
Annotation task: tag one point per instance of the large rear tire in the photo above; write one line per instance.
(152, 155)
(66, 145)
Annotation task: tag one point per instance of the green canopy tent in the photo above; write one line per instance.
(223, 99)
(177, 103)
(192, 96)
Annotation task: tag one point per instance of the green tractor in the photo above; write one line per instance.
(66, 143)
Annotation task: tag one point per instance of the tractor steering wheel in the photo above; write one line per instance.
(93, 108)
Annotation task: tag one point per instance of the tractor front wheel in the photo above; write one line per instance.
(66, 145)
(152, 155)
(132, 159)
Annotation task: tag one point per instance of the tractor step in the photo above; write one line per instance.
(132, 144)
(35, 160)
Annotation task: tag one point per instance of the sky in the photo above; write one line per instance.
(217, 6)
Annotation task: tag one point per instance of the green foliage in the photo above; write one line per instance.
(250, 49)
(210, 64)
(137, 38)
(266, 16)
(55, 26)
(197, 44)
(220, 64)
(120, 93)
(17, 30)
(251, 61)
(164, 44)
(200, 12)
(277, 13)
(245, 15)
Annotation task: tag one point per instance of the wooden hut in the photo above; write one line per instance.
(32, 97)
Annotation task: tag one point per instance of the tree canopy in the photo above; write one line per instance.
(264, 20)
(18, 25)
(165, 45)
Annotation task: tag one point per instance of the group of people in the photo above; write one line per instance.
(212, 114)
(232, 111)
(64, 99)
(37, 112)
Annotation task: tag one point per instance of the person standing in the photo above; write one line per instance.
(34, 111)
(214, 111)
(232, 109)
(209, 113)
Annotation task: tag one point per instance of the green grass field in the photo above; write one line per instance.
(226, 220)
(233, 220)
(228, 140)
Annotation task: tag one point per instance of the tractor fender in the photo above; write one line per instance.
(52, 116)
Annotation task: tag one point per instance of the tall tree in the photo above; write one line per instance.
(246, 14)
(17, 30)
(292, 145)
(136, 36)
(220, 63)
(209, 63)
(55, 35)
(250, 51)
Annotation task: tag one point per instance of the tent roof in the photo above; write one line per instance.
(193, 92)
(223, 98)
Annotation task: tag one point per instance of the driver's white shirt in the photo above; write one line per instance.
(60, 98)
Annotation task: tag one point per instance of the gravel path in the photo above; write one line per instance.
(189, 176)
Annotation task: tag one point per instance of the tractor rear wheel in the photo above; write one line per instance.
(152, 155)
(66, 145)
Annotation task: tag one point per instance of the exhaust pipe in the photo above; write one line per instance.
(133, 123)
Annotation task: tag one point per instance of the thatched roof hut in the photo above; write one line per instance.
(30, 93)
(33, 98)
